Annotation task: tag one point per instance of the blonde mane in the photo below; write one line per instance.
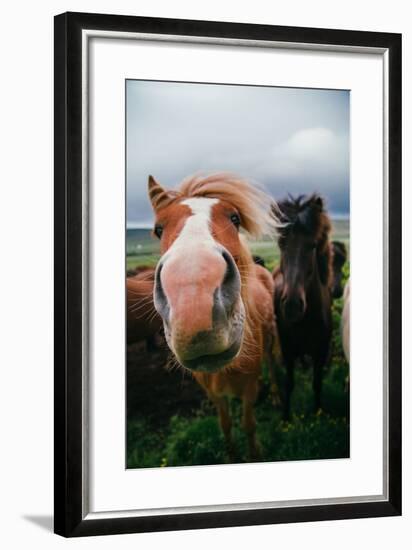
(255, 207)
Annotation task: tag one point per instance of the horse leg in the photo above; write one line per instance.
(290, 383)
(249, 420)
(272, 357)
(320, 360)
(225, 421)
(317, 384)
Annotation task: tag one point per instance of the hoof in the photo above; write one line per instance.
(255, 452)
(231, 453)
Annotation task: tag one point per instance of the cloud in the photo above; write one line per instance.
(291, 140)
(310, 154)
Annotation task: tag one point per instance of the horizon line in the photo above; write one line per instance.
(149, 225)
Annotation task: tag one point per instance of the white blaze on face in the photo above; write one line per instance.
(193, 263)
(196, 231)
(199, 320)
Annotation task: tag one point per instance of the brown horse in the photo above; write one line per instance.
(143, 321)
(216, 304)
(303, 289)
(132, 272)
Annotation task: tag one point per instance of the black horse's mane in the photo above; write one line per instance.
(307, 214)
(301, 212)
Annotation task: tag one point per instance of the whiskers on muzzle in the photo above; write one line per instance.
(201, 308)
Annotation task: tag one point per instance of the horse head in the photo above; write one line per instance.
(303, 239)
(199, 277)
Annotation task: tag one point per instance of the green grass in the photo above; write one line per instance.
(198, 440)
(195, 438)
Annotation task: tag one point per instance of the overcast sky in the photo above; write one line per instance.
(290, 140)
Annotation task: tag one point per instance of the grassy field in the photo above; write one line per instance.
(170, 422)
(142, 248)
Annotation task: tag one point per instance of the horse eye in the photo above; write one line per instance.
(235, 219)
(158, 230)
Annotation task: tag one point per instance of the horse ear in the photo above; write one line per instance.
(158, 196)
(319, 202)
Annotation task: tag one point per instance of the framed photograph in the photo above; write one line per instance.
(227, 274)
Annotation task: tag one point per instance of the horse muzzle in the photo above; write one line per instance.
(212, 362)
(293, 309)
(198, 298)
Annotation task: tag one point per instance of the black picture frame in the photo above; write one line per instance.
(69, 520)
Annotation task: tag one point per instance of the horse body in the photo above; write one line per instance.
(311, 334)
(303, 290)
(345, 322)
(339, 257)
(216, 304)
(143, 322)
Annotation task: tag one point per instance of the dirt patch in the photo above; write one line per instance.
(155, 391)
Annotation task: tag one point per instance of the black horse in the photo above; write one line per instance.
(303, 289)
(259, 260)
(340, 256)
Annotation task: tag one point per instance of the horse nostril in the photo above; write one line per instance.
(230, 287)
(293, 308)
(231, 269)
